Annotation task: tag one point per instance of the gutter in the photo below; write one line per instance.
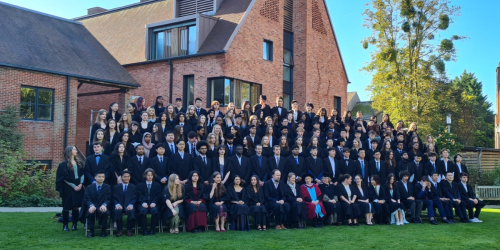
(174, 58)
(171, 80)
(66, 114)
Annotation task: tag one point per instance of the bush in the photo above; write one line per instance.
(485, 178)
(31, 201)
(21, 182)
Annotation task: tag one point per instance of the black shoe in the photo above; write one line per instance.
(91, 234)
(356, 224)
(415, 221)
(351, 224)
(103, 233)
(447, 221)
(145, 233)
(73, 227)
(420, 220)
(65, 228)
(194, 231)
(152, 232)
(433, 222)
(201, 229)
(320, 224)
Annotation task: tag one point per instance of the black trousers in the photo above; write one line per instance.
(469, 205)
(143, 212)
(102, 217)
(119, 218)
(415, 207)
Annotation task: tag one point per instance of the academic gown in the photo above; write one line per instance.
(70, 197)
(190, 195)
(272, 195)
(311, 208)
(214, 210)
(236, 209)
(115, 167)
(292, 166)
(137, 169)
(381, 210)
(225, 169)
(253, 198)
(351, 210)
(298, 210)
(331, 192)
(162, 170)
(120, 198)
(155, 196)
(282, 167)
(97, 199)
(315, 167)
(244, 170)
(383, 170)
(261, 170)
(393, 206)
(181, 166)
(328, 169)
(166, 213)
(205, 170)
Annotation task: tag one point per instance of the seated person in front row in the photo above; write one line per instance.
(149, 195)
(450, 190)
(470, 199)
(274, 191)
(124, 196)
(97, 198)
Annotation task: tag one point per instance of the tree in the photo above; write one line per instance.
(8, 129)
(407, 64)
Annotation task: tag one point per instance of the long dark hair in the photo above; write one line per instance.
(250, 145)
(388, 161)
(68, 151)
(115, 150)
(257, 186)
(220, 190)
(394, 185)
(158, 136)
(362, 182)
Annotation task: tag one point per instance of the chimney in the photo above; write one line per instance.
(95, 10)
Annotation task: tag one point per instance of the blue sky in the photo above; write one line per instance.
(478, 54)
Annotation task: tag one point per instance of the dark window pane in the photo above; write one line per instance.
(227, 91)
(27, 111)
(245, 94)
(287, 74)
(192, 40)
(287, 57)
(256, 91)
(160, 45)
(28, 95)
(218, 90)
(288, 40)
(45, 96)
(44, 113)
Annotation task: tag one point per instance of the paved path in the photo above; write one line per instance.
(59, 209)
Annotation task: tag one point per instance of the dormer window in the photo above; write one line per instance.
(176, 40)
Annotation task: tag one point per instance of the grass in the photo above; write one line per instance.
(39, 231)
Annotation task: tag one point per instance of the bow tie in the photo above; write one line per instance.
(97, 155)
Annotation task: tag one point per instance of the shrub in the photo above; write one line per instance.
(31, 201)
(485, 178)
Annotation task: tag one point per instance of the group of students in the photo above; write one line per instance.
(266, 163)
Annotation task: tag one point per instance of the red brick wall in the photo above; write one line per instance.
(42, 140)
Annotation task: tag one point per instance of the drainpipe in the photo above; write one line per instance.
(171, 87)
(66, 115)
(479, 161)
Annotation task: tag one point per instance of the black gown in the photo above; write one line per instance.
(259, 213)
(116, 167)
(70, 197)
(297, 209)
(166, 213)
(215, 210)
(237, 210)
(330, 192)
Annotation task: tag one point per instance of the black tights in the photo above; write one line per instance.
(74, 216)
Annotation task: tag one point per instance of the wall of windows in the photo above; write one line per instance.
(226, 90)
(287, 68)
(174, 40)
(37, 103)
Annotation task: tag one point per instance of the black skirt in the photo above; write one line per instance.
(71, 198)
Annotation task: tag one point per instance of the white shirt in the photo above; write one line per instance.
(239, 159)
(181, 154)
(332, 162)
(465, 186)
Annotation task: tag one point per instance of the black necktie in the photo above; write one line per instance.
(161, 161)
(149, 190)
(125, 191)
(172, 148)
(205, 161)
(140, 160)
(98, 190)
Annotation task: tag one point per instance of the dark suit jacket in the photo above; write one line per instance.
(97, 199)
(350, 168)
(181, 167)
(450, 190)
(404, 166)
(115, 167)
(136, 169)
(284, 112)
(124, 200)
(91, 167)
(457, 171)
(201, 112)
(466, 195)
(382, 173)
(272, 194)
(437, 191)
(205, 170)
(419, 170)
(271, 164)
(227, 167)
(428, 169)
(155, 194)
(403, 193)
(442, 167)
(366, 178)
(261, 170)
(168, 151)
(161, 170)
(244, 170)
(315, 167)
(328, 169)
(292, 166)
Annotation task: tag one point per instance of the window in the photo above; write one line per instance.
(268, 50)
(37, 103)
(188, 90)
(174, 40)
(337, 104)
(225, 90)
(44, 166)
(287, 68)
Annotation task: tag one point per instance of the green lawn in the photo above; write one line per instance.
(38, 230)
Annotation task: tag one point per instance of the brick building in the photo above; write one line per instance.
(48, 65)
(230, 51)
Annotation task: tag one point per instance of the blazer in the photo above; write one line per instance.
(463, 169)
(466, 194)
(343, 191)
(168, 151)
(161, 170)
(418, 169)
(244, 170)
(137, 169)
(282, 167)
(450, 190)
(350, 167)
(315, 167)
(284, 112)
(404, 166)
(261, 170)
(429, 168)
(329, 169)
(273, 194)
(204, 169)
(155, 194)
(383, 170)
(443, 168)
(181, 166)
(366, 176)
(119, 198)
(300, 169)
(91, 167)
(404, 194)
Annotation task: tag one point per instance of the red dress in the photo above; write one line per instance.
(311, 207)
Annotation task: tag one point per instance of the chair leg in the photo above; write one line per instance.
(111, 228)
(183, 226)
(86, 228)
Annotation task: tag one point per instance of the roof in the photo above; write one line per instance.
(36, 41)
(336, 42)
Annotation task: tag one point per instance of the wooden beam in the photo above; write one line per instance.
(101, 93)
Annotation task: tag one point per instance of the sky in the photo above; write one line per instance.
(478, 54)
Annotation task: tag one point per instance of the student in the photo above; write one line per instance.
(95, 162)
(181, 120)
(100, 123)
(314, 165)
(347, 163)
(111, 134)
(363, 200)
(202, 164)
(151, 115)
(157, 136)
(230, 149)
(274, 193)
(285, 145)
(423, 193)
(347, 194)
(125, 139)
(195, 204)
(332, 166)
(404, 165)
(199, 110)
(113, 112)
(171, 113)
(259, 165)
(69, 182)
(134, 113)
(178, 106)
(192, 117)
(212, 145)
(137, 165)
(148, 146)
(222, 164)
(124, 122)
(279, 109)
(470, 199)
(377, 194)
(170, 146)
(277, 161)
(159, 107)
(160, 164)
(393, 200)
(406, 194)
(181, 163)
(255, 201)
(173, 197)
(330, 200)
(440, 201)
(267, 148)
(362, 166)
(418, 167)
(377, 167)
(140, 102)
(239, 207)
(450, 190)
(246, 108)
(296, 164)
(218, 197)
(149, 195)
(445, 165)
(135, 135)
(118, 162)
(460, 167)
(97, 199)
(99, 137)
(293, 194)
(248, 146)
(124, 197)
(262, 105)
(312, 196)
(241, 166)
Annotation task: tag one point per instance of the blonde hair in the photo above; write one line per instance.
(359, 143)
(217, 136)
(268, 139)
(154, 113)
(174, 190)
(194, 113)
(99, 113)
(216, 144)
